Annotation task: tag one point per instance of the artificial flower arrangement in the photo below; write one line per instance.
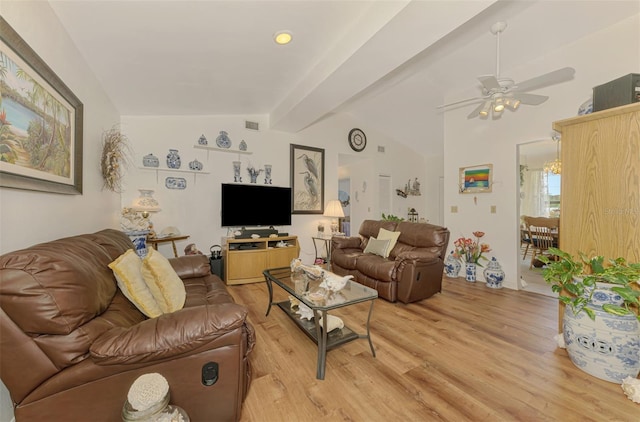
(471, 250)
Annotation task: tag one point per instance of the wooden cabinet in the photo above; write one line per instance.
(600, 185)
(600, 192)
(246, 259)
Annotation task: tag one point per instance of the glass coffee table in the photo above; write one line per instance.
(320, 301)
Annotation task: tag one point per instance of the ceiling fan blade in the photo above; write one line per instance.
(476, 111)
(461, 102)
(489, 82)
(530, 99)
(557, 76)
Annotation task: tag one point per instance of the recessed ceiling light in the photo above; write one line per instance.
(282, 37)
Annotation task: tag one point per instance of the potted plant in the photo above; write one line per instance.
(600, 326)
(585, 277)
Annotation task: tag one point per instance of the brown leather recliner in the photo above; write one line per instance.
(412, 272)
(72, 344)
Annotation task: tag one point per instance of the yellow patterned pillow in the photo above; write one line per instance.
(128, 271)
(163, 282)
(392, 237)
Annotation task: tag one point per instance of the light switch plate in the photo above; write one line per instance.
(454, 209)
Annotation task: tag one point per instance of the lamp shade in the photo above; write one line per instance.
(334, 209)
(146, 202)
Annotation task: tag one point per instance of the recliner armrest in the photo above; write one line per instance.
(339, 242)
(168, 335)
(190, 266)
(423, 256)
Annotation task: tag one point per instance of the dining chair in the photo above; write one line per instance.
(542, 239)
(525, 240)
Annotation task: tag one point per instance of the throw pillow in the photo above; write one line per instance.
(392, 237)
(163, 282)
(127, 269)
(375, 246)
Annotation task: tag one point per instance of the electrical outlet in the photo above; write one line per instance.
(454, 209)
(493, 209)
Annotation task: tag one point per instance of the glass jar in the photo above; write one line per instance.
(162, 411)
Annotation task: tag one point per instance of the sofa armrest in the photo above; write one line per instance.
(417, 256)
(168, 335)
(339, 242)
(190, 266)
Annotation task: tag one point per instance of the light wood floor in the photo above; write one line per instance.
(468, 354)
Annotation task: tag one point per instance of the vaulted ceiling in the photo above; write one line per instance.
(388, 63)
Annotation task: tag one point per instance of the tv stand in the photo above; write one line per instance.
(246, 259)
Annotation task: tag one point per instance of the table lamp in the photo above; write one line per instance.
(334, 211)
(146, 204)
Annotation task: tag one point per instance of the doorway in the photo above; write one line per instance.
(539, 196)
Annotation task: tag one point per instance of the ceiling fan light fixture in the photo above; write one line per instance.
(512, 103)
(485, 109)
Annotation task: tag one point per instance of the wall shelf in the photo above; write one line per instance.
(208, 148)
(168, 170)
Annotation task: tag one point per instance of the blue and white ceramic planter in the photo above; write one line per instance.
(452, 266)
(493, 274)
(607, 347)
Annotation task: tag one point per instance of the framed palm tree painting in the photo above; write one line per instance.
(40, 122)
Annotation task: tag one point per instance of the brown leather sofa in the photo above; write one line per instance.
(412, 272)
(71, 344)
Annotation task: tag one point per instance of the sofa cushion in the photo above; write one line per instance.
(376, 267)
(388, 235)
(163, 282)
(377, 247)
(128, 271)
(347, 258)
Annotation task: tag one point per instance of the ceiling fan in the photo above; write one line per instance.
(499, 93)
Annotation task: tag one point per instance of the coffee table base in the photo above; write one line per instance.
(325, 342)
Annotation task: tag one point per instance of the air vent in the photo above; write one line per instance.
(380, 148)
(251, 125)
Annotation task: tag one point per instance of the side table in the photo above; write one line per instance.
(154, 241)
(324, 241)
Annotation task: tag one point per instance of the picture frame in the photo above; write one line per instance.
(476, 179)
(40, 122)
(307, 179)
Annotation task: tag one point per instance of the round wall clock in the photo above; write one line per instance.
(357, 140)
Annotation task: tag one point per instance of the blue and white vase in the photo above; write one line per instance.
(470, 272)
(607, 347)
(267, 174)
(173, 159)
(452, 266)
(139, 239)
(202, 140)
(493, 274)
(223, 141)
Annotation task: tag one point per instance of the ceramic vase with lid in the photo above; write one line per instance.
(470, 272)
(150, 160)
(452, 265)
(195, 165)
(173, 159)
(493, 274)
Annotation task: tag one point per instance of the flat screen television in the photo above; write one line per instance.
(255, 205)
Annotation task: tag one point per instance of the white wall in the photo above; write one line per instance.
(26, 217)
(196, 210)
(598, 58)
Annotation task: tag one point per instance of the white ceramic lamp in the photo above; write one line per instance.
(334, 211)
(146, 204)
